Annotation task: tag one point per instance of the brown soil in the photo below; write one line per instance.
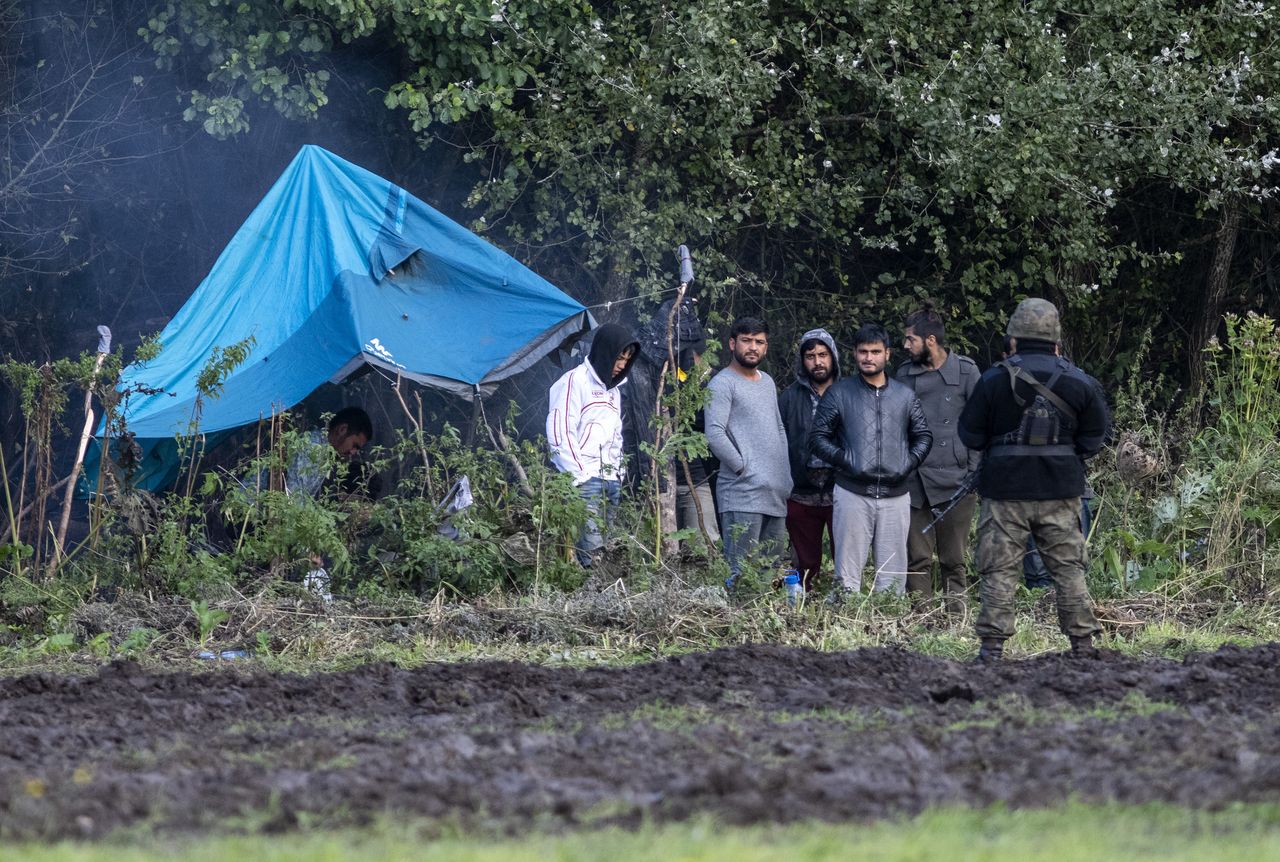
(749, 734)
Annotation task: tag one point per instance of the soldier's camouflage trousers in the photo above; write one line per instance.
(1003, 527)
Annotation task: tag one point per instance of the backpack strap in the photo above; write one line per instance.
(1017, 373)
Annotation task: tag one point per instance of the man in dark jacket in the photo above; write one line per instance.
(943, 380)
(640, 395)
(1036, 575)
(1037, 417)
(873, 432)
(813, 480)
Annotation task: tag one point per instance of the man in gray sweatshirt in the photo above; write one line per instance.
(744, 430)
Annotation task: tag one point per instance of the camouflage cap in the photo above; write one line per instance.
(1035, 318)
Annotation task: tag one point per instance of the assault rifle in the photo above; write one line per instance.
(968, 485)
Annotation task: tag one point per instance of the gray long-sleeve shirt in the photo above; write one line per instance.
(744, 430)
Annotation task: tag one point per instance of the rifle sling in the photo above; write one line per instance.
(1016, 373)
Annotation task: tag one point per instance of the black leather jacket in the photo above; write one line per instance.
(873, 437)
(795, 405)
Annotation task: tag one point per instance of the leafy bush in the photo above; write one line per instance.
(1213, 520)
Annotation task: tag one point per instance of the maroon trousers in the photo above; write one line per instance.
(805, 525)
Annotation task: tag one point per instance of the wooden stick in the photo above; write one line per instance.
(104, 348)
(26, 510)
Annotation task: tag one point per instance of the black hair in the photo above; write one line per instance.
(810, 343)
(925, 322)
(870, 333)
(748, 326)
(1006, 346)
(356, 420)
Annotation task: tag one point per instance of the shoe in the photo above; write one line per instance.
(991, 651)
(731, 584)
(1082, 647)
(837, 597)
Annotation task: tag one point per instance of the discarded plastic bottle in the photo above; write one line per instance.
(794, 591)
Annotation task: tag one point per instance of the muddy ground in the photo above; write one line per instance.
(749, 734)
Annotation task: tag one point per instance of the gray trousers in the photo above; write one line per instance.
(750, 533)
(949, 540)
(864, 524)
(687, 512)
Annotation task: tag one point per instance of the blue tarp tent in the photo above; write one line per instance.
(337, 268)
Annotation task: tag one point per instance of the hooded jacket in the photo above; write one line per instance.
(584, 417)
(797, 404)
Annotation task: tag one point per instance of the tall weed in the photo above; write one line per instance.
(1210, 522)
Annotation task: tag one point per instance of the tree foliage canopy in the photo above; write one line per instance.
(858, 157)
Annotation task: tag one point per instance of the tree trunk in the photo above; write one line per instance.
(1215, 294)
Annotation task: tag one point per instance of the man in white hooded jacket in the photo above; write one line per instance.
(584, 429)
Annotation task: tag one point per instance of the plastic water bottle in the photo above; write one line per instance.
(792, 582)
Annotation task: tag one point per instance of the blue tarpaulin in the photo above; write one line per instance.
(337, 268)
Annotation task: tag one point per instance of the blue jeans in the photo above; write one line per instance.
(750, 532)
(597, 493)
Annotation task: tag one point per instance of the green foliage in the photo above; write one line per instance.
(138, 640)
(1214, 520)
(859, 157)
(1244, 396)
(219, 366)
(57, 643)
(505, 538)
(207, 619)
(1064, 833)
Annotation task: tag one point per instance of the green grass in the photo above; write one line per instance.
(859, 720)
(668, 717)
(1016, 710)
(1145, 629)
(1072, 833)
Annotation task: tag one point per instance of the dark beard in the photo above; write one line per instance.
(921, 358)
(814, 379)
(744, 362)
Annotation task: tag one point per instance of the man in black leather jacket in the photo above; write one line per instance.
(872, 430)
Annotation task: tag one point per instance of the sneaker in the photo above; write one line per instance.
(837, 597)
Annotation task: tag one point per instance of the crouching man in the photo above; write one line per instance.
(584, 430)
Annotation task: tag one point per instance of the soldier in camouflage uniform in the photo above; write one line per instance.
(1037, 417)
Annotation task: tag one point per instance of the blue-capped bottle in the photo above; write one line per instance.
(791, 580)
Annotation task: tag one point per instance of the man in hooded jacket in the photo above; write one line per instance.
(809, 507)
(584, 429)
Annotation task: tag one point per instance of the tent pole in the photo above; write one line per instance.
(475, 416)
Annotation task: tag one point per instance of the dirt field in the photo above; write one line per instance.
(749, 734)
